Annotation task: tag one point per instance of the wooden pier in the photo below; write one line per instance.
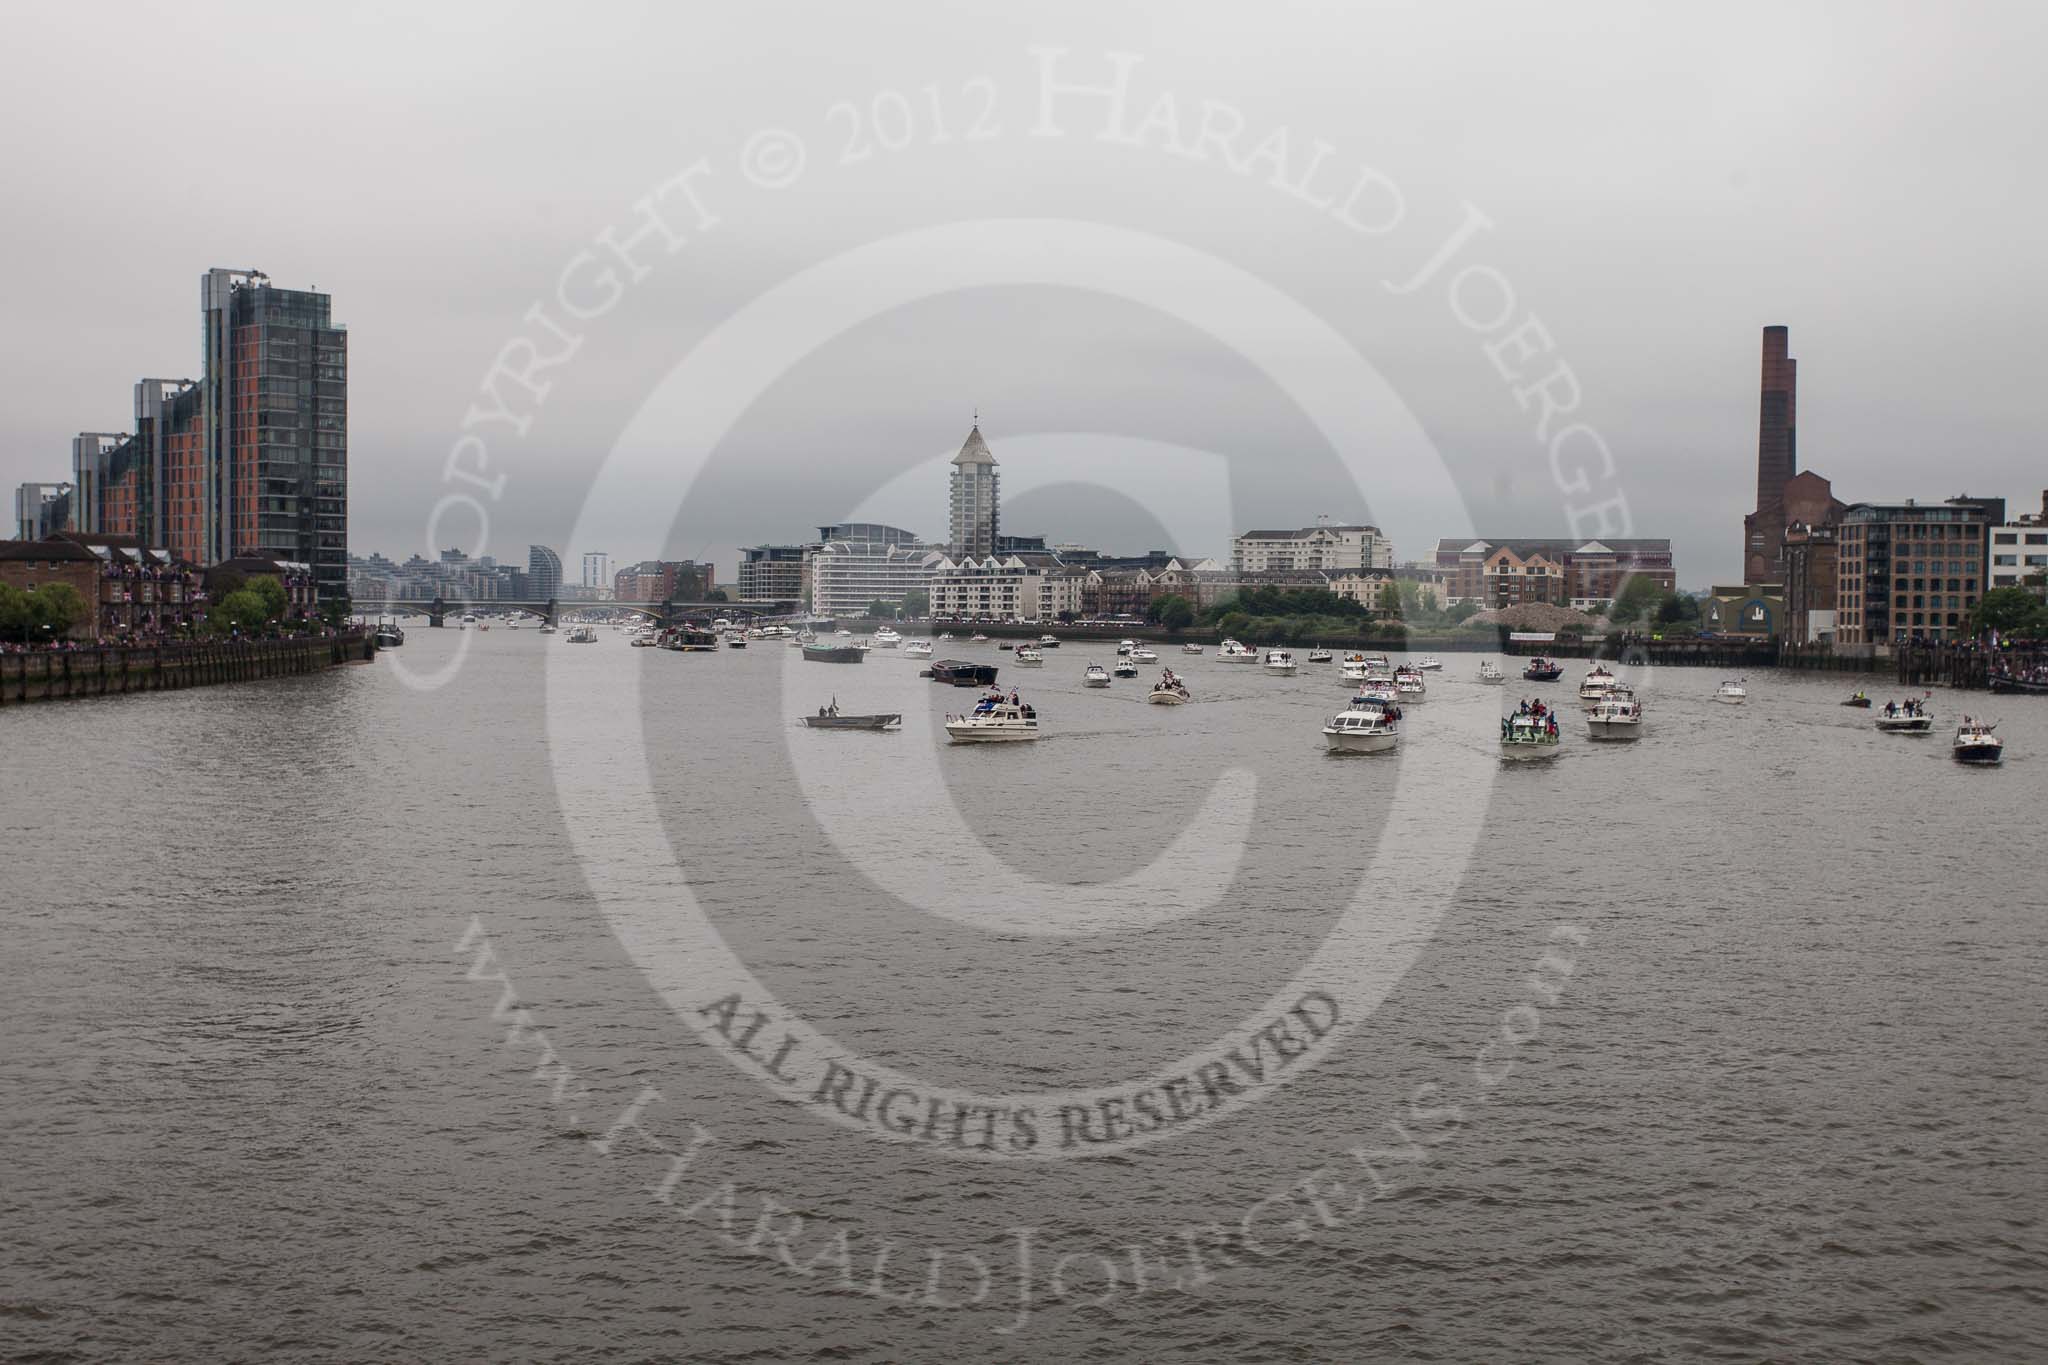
(102, 670)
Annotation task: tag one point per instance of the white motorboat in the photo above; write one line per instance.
(1029, 657)
(1279, 662)
(546, 629)
(1429, 663)
(583, 635)
(1525, 736)
(1490, 674)
(1408, 684)
(1169, 691)
(1126, 667)
(1617, 715)
(1909, 717)
(1232, 652)
(1353, 667)
(1048, 642)
(1319, 655)
(1095, 676)
(1975, 743)
(1191, 649)
(979, 638)
(1597, 683)
(918, 649)
(1367, 727)
(1126, 646)
(885, 638)
(945, 635)
(1144, 656)
(1731, 692)
(994, 721)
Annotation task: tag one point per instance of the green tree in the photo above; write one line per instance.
(276, 605)
(1461, 612)
(336, 610)
(917, 602)
(716, 595)
(244, 609)
(1174, 612)
(1678, 609)
(2009, 611)
(1390, 599)
(1639, 599)
(16, 611)
(57, 607)
(878, 610)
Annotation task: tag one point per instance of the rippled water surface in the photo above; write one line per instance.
(1724, 1045)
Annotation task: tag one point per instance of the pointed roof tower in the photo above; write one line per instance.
(974, 450)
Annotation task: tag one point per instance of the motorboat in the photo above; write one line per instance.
(887, 638)
(1597, 683)
(830, 718)
(1408, 684)
(960, 673)
(978, 638)
(1319, 655)
(1732, 692)
(1861, 699)
(1616, 715)
(1366, 727)
(547, 628)
(1429, 663)
(583, 635)
(1048, 642)
(735, 639)
(1233, 652)
(1004, 645)
(1169, 690)
(1909, 717)
(945, 635)
(1191, 649)
(1095, 675)
(994, 721)
(1127, 667)
(1029, 657)
(864, 644)
(389, 635)
(1975, 743)
(1379, 673)
(1541, 669)
(1126, 646)
(820, 653)
(803, 637)
(644, 638)
(2005, 680)
(1279, 662)
(1490, 674)
(1144, 656)
(917, 649)
(844, 634)
(1353, 668)
(1526, 736)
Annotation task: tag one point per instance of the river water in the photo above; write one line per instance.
(347, 1020)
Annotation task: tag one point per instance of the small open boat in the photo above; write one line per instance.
(1860, 699)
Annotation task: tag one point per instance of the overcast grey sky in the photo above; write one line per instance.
(1655, 187)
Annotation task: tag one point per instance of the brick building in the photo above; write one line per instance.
(1587, 573)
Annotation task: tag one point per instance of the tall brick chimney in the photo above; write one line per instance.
(1777, 460)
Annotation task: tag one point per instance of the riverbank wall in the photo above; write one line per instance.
(111, 669)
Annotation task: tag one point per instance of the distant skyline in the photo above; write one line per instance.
(1656, 187)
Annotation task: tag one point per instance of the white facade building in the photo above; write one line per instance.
(988, 588)
(863, 562)
(597, 569)
(2018, 550)
(1312, 547)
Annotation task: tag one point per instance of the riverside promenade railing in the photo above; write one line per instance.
(101, 670)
